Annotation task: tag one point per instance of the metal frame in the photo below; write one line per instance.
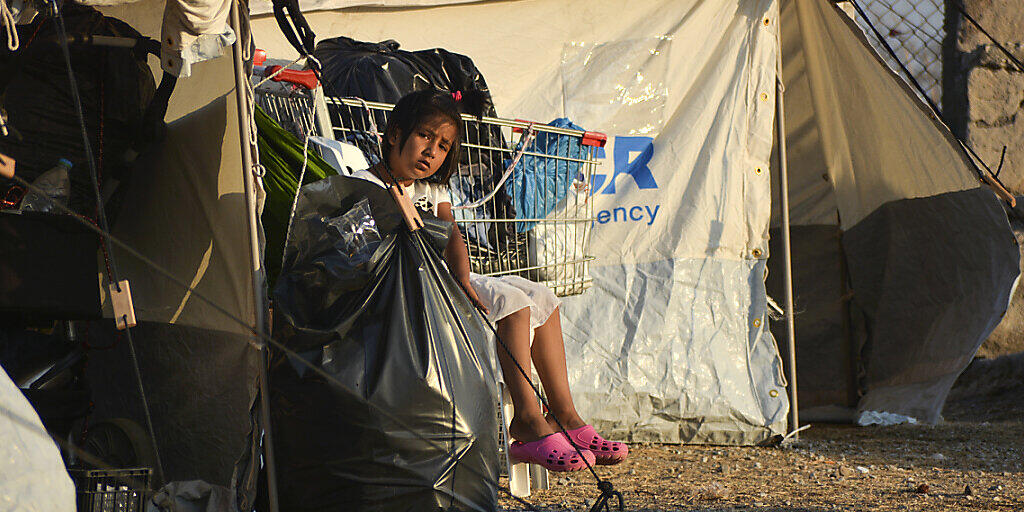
(550, 166)
(787, 252)
(506, 165)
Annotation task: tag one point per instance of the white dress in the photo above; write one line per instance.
(502, 295)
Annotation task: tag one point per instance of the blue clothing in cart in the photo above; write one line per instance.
(539, 183)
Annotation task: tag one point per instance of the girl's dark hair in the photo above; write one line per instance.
(419, 106)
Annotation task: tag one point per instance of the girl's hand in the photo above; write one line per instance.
(458, 257)
(473, 297)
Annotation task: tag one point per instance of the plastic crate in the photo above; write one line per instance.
(111, 490)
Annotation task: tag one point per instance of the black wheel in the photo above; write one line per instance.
(119, 443)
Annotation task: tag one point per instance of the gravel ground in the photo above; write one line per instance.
(972, 461)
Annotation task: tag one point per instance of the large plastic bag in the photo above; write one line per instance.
(539, 183)
(373, 306)
(383, 72)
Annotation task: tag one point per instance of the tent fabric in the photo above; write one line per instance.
(200, 387)
(824, 358)
(930, 260)
(32, 476)
(266, 6)
(957, 250)
(876, 144)
(670, 342)
(186, 210)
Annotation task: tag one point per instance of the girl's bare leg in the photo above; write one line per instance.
(548, 353)
(528, 423)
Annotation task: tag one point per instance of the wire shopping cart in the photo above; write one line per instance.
(522, 207)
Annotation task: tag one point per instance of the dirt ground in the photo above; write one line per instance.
(972, 461)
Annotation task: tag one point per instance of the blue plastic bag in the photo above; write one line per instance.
(539, 183)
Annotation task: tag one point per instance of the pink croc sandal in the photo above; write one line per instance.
(607, 452)
(553, 452)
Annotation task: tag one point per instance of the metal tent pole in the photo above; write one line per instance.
(246, 143)
(780, 125)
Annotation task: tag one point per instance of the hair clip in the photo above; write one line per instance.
(457, 95)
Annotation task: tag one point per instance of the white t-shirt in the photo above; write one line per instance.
(425, 196)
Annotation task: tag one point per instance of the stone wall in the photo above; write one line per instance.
(983, 101)
(983, 91)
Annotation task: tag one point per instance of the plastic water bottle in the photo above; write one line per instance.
(55, 183)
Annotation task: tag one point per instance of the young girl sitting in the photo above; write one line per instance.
(421, 150)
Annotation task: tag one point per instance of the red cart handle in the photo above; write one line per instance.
(595, 139)
(305, 78)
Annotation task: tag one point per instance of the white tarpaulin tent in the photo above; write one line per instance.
(32, 475)
(902, 265)
(672, 342)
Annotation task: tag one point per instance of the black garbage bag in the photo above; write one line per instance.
(371, 305)
(384, 72)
